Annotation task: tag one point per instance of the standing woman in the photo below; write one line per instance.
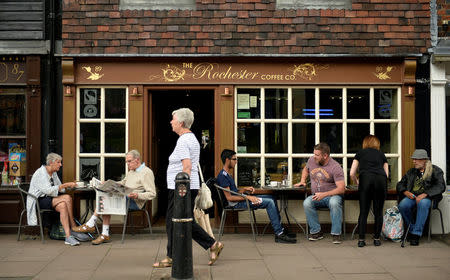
(185, 158)
(373, 174)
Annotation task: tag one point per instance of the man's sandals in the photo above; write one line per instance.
(215, 252)
(167, 262)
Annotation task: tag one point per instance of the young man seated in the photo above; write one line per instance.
(225, 180)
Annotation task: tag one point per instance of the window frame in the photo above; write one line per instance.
(102, 120)
(262, 155)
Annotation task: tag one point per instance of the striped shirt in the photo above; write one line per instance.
(187, 147)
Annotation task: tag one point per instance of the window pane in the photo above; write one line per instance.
(330, 104)
(297, 166)
(355, 135)
(387, 133)
(89, 167)
(12, 114)
(358, 103)
(275, 168)
(393, 173)
(331, 133)
(303, 137)
(385, 103)
(114, 168)
(276, 138)
(90, 103)
(115, 103)
(249, 138)
(114, 138)
(248, 103)
(248, 171)
(276, 103)
(303, 103)
(89, 138)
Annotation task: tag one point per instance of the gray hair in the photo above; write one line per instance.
(52, 157)
(185, 116)
(135, 154)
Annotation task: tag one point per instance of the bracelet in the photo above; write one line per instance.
(414, 196)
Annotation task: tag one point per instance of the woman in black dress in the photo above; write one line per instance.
(373, 174)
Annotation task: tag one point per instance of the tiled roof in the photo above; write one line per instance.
(231, 27)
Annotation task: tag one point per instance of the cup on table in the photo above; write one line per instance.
(80, 184)
(273, 184)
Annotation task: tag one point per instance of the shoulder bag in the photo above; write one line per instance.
(203, 199)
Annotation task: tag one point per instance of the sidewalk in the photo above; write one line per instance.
(241, 259)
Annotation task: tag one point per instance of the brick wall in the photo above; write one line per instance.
(247, 27)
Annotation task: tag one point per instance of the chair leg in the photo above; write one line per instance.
(252, 222)
(354, 230)
(20, 224)
(222, 223)
(41, 228)
(148, 220)
(124, 227)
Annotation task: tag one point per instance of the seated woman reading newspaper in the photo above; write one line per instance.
(140, 183)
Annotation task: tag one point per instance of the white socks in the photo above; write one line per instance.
(92, 220)
(105, 230)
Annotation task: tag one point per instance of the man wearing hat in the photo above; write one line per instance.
(418, 187)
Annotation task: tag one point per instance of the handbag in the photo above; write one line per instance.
(393, 224)
(57, 231)
(203, 199)
(203, 220)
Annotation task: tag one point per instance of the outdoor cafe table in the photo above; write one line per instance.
(78, 194)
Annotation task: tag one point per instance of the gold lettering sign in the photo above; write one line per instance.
(12, 70)
(218, 72)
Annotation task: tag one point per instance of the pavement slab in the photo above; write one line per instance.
(241, 258)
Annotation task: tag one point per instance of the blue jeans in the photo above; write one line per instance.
(334, 203)
(268, 203)
(406, 207)
(133, 205)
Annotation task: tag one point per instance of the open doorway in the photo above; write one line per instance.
(163, 139)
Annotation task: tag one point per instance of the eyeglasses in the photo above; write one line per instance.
(234, 159)
(128, 161)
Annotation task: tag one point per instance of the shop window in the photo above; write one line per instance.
(102, 133)
(275, 138)
(447, 121)
(13, 118)
(157, 4)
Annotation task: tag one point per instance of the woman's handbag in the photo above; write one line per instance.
(393, 224)
(203, 220)
(203, 199)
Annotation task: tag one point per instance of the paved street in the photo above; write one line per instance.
(241, 259)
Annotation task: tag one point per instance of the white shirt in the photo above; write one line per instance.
(187, 147)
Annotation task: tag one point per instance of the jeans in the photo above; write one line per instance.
(133, 206)
(406, 207)
(334, 203)
(268, 203)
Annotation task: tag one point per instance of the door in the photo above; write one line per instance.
(163, 139)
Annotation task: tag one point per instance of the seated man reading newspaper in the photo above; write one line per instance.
(139, 186)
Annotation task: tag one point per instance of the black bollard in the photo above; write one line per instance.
(182, 267)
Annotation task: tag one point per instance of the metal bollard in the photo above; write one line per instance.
(182, 267)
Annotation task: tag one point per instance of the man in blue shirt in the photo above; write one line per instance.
(225, 180)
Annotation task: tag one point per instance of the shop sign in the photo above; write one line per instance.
(12, 70)
(257, 72)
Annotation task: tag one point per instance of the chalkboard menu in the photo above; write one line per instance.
(245, 178)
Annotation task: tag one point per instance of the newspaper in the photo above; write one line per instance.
(110, 197)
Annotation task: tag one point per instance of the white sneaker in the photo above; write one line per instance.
(71, 241)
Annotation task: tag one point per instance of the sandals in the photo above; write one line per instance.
(167, 262)
(216, 250)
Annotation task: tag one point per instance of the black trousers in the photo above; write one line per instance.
(372, 187)
(198, 233)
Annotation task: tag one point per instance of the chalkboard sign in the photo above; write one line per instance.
(245, 178)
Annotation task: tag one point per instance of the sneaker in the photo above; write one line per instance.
(336, 239)
(315, 236)
(71, 241)
(284, 238)
(84, 229)
(80, 236)
(101, 239)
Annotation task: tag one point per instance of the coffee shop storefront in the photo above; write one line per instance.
(271, 111)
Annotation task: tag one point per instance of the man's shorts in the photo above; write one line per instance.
(45, 202)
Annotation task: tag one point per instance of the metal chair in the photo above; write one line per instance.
(226, 208)
(434, 206)
(23, 190)
(144, 209)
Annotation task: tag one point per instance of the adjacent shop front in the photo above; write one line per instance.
(271, 111)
